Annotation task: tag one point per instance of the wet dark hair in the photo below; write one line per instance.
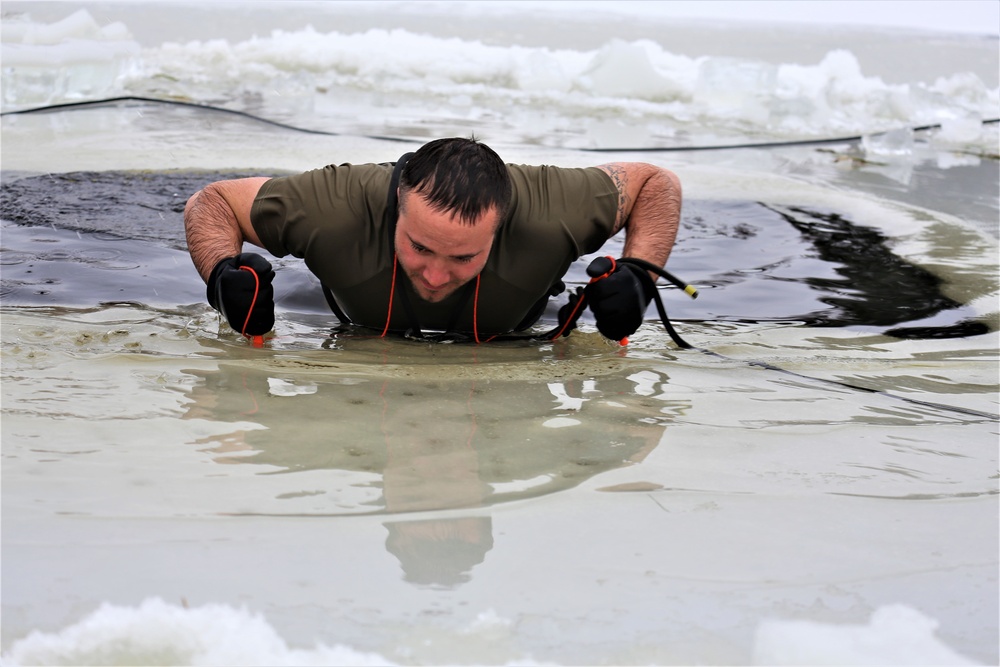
(460, 175)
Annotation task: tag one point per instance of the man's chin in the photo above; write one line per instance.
(430, 295)
(434, 296)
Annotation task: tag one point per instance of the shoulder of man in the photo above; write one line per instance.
(332, 184)
(323, 213)
(541, 192)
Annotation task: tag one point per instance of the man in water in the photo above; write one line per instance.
(449, 239)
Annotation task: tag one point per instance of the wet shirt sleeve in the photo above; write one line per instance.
(557, 215)
(330, 217)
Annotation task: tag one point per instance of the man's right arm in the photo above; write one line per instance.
(217, 222)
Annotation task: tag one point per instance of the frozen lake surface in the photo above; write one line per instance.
(817, 483)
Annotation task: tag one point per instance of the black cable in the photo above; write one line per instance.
(764, 144)
(72, 106)
(854, 387)
(693, 293)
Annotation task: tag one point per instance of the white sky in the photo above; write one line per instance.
(964, 16)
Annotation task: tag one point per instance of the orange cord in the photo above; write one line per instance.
(475, 317)
(392, 292)
(256, 340)
(475, 307)
(624, 341)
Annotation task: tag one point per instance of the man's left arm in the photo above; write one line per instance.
(649, 209)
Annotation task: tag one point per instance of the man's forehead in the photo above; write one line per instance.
(423, 222)
(415, 198)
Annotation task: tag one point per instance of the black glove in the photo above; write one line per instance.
(233, 291)
(570, 313)
(619, 299)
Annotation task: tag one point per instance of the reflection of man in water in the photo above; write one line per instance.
(438, 445)
(440, 552)
(432, 464)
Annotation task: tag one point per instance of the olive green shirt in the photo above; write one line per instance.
(333, 219)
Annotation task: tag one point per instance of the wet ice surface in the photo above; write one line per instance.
(337, 498)
(447, 503)
(483, 504)
(422, 503)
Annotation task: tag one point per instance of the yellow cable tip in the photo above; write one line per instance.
(691, 291)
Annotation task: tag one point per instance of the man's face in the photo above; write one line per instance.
(438, 252)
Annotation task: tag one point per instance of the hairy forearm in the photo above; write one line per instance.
(212, 230)
(651, 227)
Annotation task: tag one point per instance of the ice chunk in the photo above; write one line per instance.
(897, 142)
(159, 633)
(960, 130)
(78, 25)
(740, 89)
(279, 387)
(896, 635)
(728, 80)
(965, 130)
(67, 60)
(625, 69)
(540, 71)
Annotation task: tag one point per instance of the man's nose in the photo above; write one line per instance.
(435, 274)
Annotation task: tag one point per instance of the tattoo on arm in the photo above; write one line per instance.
(620, 178)
(649, 204)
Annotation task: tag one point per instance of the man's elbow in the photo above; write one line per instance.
(191, 203)
(207, 204)
(672, 194)
(673, 182)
